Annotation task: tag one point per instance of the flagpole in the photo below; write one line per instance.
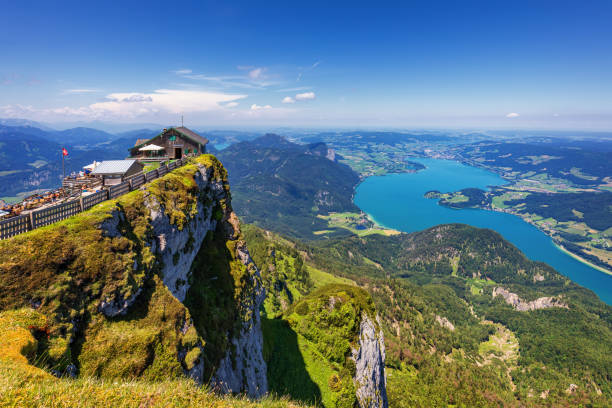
(63, 168)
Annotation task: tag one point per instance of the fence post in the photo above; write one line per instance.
(31, 220)
(81, 202)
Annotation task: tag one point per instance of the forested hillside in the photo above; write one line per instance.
(283, 186)
(541, 340)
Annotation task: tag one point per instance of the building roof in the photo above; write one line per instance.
(187, 133)
(190, 134)
(114, 167)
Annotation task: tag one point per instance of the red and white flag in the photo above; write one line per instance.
(64, 151)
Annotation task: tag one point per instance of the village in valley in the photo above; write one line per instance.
(99, 181)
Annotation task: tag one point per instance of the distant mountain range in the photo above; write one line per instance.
(30, 157)
(285, 186)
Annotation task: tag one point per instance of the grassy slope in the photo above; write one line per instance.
(306, 343)
(308, 349)
(23, 385)
(67, 268)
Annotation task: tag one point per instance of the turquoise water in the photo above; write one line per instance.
(221, 146)
(396, 201)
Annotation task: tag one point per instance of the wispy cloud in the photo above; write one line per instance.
(182, 71)
(305, 96)
(512, 115)
(161, 102)
(256, 73)
(255, 107)
(303, 70)
(296, 89)
(80, 91)
(253, 78)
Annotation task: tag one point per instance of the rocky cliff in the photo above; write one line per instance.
(156, 284)
(370, 379)
(342, 344)
(521, 305)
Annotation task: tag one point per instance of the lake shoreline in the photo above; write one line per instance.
(528, 221)
(580, 259)
(396, 201)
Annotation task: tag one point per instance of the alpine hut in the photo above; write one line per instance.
(171, 144)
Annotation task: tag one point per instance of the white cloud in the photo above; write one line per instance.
(182, 71)
(255, 107)
(512, 115)
(163, 100)
(231, 105)
(153, 105)
(256, 73)
(305, 96)
(288, 99)
(80, 91)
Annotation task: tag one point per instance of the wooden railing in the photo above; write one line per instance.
(49, 215)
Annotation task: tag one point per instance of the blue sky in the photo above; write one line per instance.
(479, 64)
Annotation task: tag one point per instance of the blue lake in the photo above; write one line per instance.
(397, 201)
(221, 146)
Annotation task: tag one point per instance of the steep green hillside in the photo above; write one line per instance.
(284, 186)
(308, 350)
(311, 324)
(448, 340)
(88, 297)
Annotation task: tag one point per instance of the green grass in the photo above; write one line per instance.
(308, 350)
(321, 278)
(350, 221)
(150, 166)
(24, 385)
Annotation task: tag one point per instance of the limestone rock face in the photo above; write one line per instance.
(523, 306)
(243, 369)
(370, 379)
(178, 248)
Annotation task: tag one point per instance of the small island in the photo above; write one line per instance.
(466, 198)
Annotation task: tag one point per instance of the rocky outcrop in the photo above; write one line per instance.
(369, 357)
(444, 322)
(243, 368)
(176, 247)
(523, 306)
